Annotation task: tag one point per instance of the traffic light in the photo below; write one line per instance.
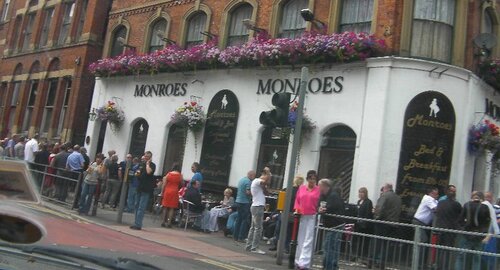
(277, 117)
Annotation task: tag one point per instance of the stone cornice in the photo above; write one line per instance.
(147, 7)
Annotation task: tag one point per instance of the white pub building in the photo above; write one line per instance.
(389, 119)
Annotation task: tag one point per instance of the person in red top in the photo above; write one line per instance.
(170, 200)
(306, 204)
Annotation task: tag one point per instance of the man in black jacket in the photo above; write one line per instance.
(193, 195)
(475, 217)
(388, 208)
(331, 203)
(147, 182)
(447, 217)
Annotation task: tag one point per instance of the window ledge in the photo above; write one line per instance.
(52, 48)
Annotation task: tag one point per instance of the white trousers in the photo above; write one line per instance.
(305, 241)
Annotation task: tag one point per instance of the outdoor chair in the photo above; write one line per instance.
(186, 214)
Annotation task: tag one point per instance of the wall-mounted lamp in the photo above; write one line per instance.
(208, 34)
(124, 44)
(250, 25)
(92, 115)
(78, 60)
(308, 16)
(161, 35)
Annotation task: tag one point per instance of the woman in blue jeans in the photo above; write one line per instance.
(94, 172)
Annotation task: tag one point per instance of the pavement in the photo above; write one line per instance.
(210, 248)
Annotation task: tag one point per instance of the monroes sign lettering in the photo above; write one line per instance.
(160, 90)
(325, 85)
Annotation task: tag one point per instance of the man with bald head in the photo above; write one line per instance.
(243, 201)
(388, 208)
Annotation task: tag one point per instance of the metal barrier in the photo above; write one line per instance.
(395, 245)
(56, 184)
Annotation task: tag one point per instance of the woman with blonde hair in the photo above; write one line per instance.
(209, 223)
(365, 210)
(297, 182)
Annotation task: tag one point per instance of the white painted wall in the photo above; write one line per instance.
(372, 103)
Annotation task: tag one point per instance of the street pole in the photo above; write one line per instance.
(304, 77)
(121, 205)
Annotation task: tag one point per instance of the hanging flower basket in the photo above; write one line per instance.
(111, 113)
(189, 115)
(489, 70)
(484, 136)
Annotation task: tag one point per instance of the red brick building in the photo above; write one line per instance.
(437, 30)
(46, 46)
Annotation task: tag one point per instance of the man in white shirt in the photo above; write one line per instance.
(424, 216)
(31, 148)
(258, 190)
(425, 210)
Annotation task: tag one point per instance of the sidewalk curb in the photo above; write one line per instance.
(55, 207)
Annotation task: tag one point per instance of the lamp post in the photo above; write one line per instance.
(293, 161)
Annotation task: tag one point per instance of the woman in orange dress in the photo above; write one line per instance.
(170, 201)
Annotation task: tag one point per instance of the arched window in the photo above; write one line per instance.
(138, 138)
(195, 25)
(16, 89)
(33, 3)
(292, 23)
(30, 103)
(116, 45)
(48, 120)
(337, 157)
(176, 142)
(273, 154)
(238, 33)
(432, 30)
(356, 16)
(158, 31)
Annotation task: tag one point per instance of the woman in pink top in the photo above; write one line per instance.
(306, 204)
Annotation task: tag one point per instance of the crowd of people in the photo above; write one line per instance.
(53, 163)
(244, 216)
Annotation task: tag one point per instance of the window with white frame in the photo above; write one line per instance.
(69, 12)
(49, 106)
(64, 108)
(356, 16)
(28, 31)
(30, 106)
(47, 21)
(292, 23)
(116, 45)
(5, 10)
(158, 33)
(432, 29)
(81, 19)
(195, 25)
(238, 33)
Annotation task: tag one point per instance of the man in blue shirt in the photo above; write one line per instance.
(243, 202)
(75, 160)
(195, 168)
